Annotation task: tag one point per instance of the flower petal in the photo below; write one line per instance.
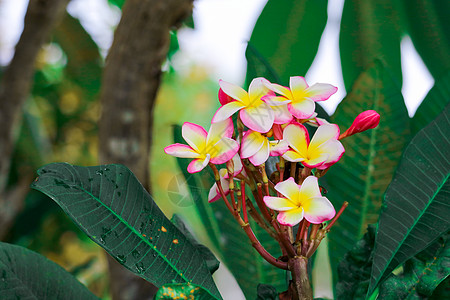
(223, 150)
(262, 155)
(219, 130)
(302, 109)
(278, 203)
(273, 100)
(319, 210)
(321, 91)
(334, 148)
(259, 118)
(324, 133)
(291, 217)
(278, 148)
(224, 98)
(213, 194)
(297, 83)
(194, 135)
(257, 89)
(296, 135)
(238, 167)
(198, 164)
(282, 114)
(181, 150)
(234, 91)
(282, 90)
(315, 159)
(293, 156)
(309, 189)
(252, 141)
(226, 111)
(289, 189)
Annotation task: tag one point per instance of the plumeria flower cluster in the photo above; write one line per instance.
(272, 120)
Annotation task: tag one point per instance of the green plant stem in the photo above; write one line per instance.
(243, 202)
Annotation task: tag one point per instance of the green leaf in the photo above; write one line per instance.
(369, 30)
(433, 104)
(416, 205)
(110, 205)
(421, 275)
(354, 269)
(182, 291)
(210, 259)
(366, 168)
(430, 32)
(285, 39)
(25, 274)
(232, 243)
(266, 292)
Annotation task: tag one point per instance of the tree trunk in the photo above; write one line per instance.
(40, 18)
(130, 82)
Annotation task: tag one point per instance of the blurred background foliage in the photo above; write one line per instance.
(61, 114)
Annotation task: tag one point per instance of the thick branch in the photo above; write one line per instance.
(130, 82)
(40, 18)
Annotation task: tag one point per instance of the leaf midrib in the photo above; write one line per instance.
(128, 226)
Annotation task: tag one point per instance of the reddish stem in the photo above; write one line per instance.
(243, 202)
(343, 207)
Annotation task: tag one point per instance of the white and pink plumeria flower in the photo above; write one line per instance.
(321, 152)
(214, 193)
(253, 112)
(300, 201)
(257, 147)
(301, 96)
(215, 146)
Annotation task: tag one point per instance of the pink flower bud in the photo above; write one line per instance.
(368, 119)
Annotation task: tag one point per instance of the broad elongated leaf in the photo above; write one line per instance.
(433, 104)
(366, 168)
(285, 39)
(369, 30)
(110, 205)
(416, 202)
(230, 240)
(210, 259)
(420, 276)
(429, 29)
(25, 274)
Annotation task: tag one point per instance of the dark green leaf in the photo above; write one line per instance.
(366, 168)
(25, 274)
(285, 39)
(416, 207)
(182, 291)
(110, 205)
(433, 104)
(266, 292)
(442, 291)
(430, 32)
(421, 275)
(369, 30)
(354, 269)
(210, 259)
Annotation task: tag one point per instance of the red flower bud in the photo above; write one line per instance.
(368, 119)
